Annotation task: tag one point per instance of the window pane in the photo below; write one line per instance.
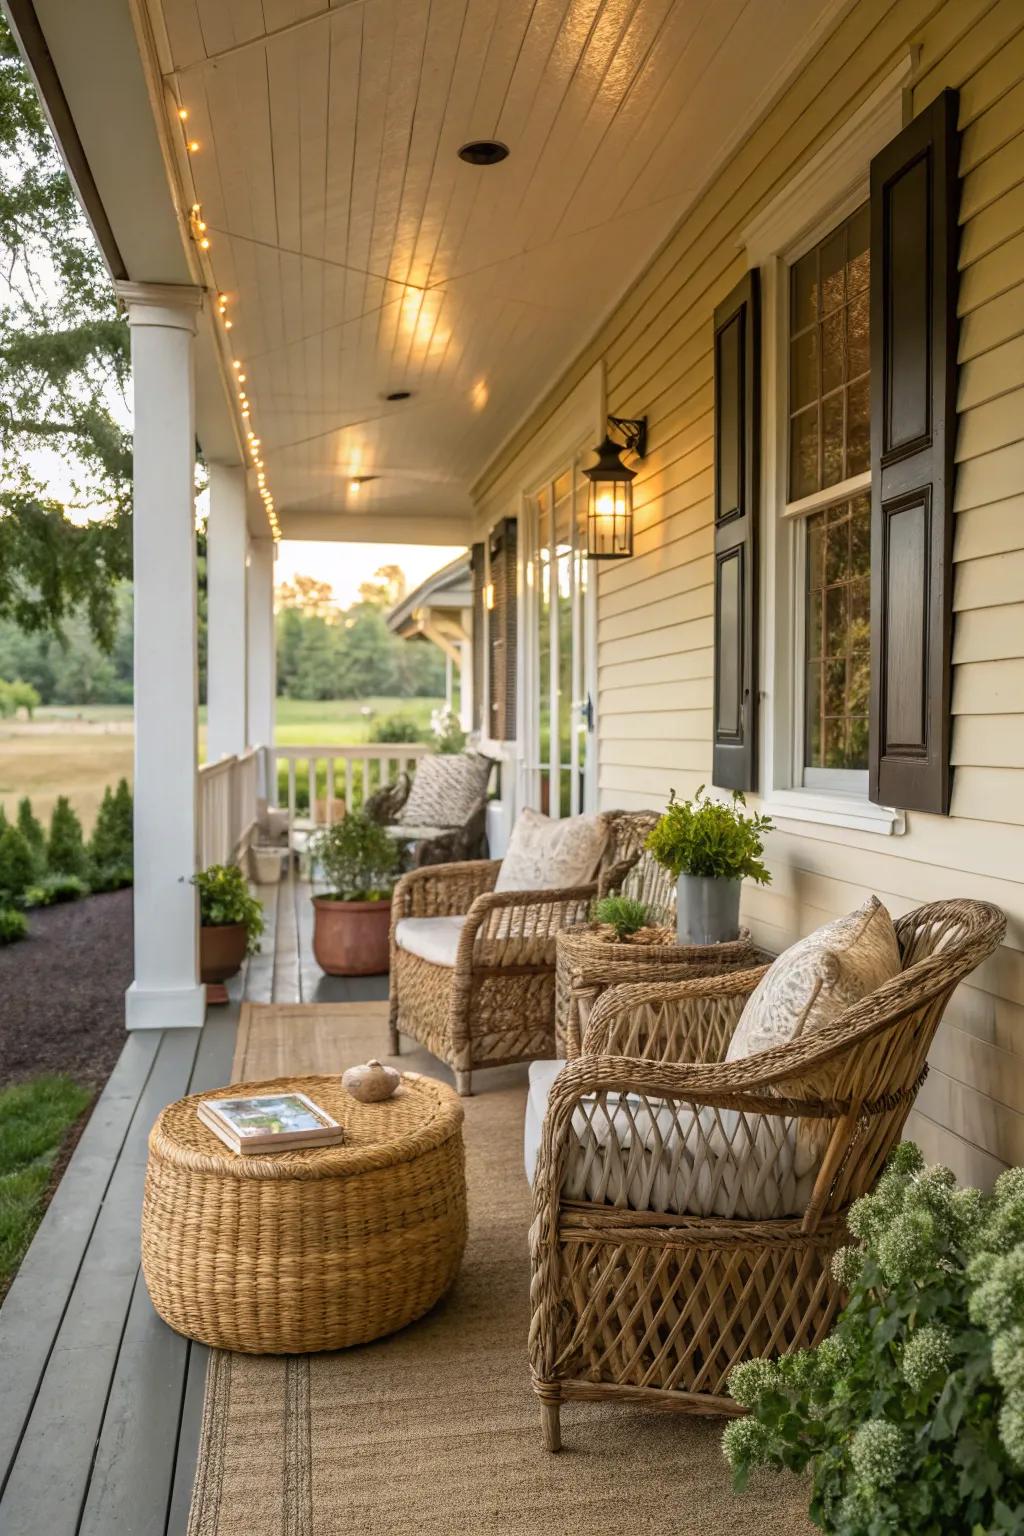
(832, 439)
(833, 260)
(832, 352)
(858, 429)
(803, 369)
(858, 261)
(838, 635)
(829, 348)
(803, 302)
(858, 358)
(803, 454)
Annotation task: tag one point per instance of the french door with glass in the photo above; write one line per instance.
(559, 757)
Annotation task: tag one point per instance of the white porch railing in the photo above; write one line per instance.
(227, 807)
(303, 776)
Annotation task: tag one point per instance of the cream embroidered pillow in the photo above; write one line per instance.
(812, 982)
(545, 855)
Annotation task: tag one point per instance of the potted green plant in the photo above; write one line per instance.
(352, 917)
(709, 847)
(624, 916)
(230, 926)
(909, 1416)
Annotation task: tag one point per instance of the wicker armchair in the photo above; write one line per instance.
(639, 1304)
(496, 1004)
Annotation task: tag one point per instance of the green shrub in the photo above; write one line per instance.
(395, 728)
(623, 914)
(111, 844)
(710, 838)
(224, 897)
(910, 1415)
(57, 888)
(358, 858)
(13, 925)
(65, 848)
(17, 866)
(31, 830)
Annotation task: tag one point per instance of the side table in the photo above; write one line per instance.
(588, 961)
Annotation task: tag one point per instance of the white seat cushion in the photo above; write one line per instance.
(546, 855)
(658, 1155)
(431, 938)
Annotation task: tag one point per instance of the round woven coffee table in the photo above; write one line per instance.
(588, 960)
(306, 1250)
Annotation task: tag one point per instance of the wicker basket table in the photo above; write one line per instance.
(588, 960)
(313, 1249)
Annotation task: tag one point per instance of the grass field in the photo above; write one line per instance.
(79, 751)
(34, 1119)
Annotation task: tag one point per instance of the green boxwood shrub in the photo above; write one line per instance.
(65, 849)
(395, 728)
(910, 1415)
(17, 867)
(358, 858)
(31, 830)
(111, 844)
(13, 925)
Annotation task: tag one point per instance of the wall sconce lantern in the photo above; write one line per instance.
(610, 503)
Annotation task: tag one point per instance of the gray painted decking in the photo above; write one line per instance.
(100, 1402)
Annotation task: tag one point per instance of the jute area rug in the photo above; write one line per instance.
(436, 1429)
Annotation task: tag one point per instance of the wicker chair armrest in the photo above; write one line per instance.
(443, 890)
(518, 925)
(680, 1021)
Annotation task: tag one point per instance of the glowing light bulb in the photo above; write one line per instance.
(193, 146)
(183, 114)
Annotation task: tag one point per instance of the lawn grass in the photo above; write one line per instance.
(77, 750)
(35, 1117)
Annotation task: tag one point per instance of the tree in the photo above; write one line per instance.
(110, 847)
(65, 850)
(387, 587)
(311, 597)
(31, 830)
(63, 356)
(17, 866)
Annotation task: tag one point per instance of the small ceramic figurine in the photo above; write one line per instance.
(371, 1083)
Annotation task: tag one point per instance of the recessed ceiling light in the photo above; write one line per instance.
(483, 152)
(399, 394)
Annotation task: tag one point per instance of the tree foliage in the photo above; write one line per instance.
(64, 360)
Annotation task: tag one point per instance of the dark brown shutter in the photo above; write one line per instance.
(737, 453)
(477, 564)
(502, 629)
(914, 204)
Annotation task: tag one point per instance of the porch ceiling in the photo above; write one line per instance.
(360, 256)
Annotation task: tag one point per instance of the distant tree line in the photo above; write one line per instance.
(324, 652)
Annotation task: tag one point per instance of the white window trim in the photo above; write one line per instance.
(825, 192)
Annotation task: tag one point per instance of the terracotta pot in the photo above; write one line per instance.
(351, 938)
(221, 952)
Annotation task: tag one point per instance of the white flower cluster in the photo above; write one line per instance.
(927, 1352)
(877, 1453)
(746, 1442)
(750, 1379)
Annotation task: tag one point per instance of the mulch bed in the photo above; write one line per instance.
(62, 991)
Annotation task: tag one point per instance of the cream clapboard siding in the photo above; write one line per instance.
(654, 617)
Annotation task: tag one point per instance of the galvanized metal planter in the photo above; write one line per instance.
(707, 909)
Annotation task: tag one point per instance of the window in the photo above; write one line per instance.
(828, 498)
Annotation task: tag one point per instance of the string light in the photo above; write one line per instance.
(193, 146)
(183, 114)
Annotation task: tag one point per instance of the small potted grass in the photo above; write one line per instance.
(626, 920)
(230, 926)
(710, 847)
(352, 921)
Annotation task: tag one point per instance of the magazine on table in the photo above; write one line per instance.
(269, 1122)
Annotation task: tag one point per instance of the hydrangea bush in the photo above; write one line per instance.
(910, 1415)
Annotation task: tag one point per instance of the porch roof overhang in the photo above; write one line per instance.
(436, 607)
(359, 256)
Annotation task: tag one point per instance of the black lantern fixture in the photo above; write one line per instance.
(610, 504)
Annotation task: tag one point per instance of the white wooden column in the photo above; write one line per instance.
(262, 643)
(227, 680)
(166, 992)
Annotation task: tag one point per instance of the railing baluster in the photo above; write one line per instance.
(330, 791)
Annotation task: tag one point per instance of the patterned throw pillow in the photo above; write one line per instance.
(546, 855)
(814, 980)
(446, 790)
